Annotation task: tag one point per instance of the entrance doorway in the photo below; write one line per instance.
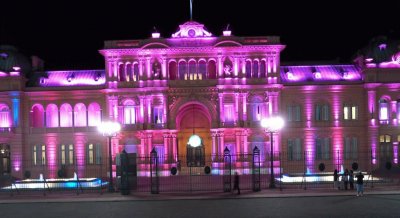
(194, 138)
(5, 162)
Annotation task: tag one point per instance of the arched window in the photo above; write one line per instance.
(172, 70)
(135, 72)
(129, 112)
(51, 115)
(129, 72)
(212, 69)
(182, 70)
(202, 69)
(248, 69)
(322, 112)
(94, 114)
(121, 71)
(80, 114)
(263, 69)
(255, 69)
(192, 70)
(37, 116)
(5, 116)
(383, 109)
(66, 115)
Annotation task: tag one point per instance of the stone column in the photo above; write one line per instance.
(236, 116)
(167, 152)
(174, 146)
(221, 108)
(214, 150)
(164, 68)
(244, 113)
(238, 142)
(219, 66)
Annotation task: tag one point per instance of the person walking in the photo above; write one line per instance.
(360, 184)
(236, 183)
(351, 179)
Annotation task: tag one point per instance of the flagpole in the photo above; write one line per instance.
(191, 8)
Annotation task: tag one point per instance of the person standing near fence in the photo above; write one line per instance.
(236, 183)
(360, 184)
(335, 179)
(346, 178)
(351, 179)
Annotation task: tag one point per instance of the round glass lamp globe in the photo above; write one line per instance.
(194, 141)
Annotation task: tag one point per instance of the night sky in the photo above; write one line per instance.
(68, 34)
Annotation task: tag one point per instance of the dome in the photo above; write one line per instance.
(10, 58)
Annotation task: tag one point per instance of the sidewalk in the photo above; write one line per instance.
(55, 197)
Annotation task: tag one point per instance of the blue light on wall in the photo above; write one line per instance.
(15, 102)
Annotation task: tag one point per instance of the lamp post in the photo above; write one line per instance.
(271, 126)
(110, 129)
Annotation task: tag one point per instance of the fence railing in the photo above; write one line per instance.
(157, 173)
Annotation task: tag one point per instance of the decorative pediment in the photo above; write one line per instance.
(191, 29)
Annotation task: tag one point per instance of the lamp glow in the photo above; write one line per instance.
(272, 125)
(194, 141)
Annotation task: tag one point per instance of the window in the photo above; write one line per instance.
(294, 149)
(248, 69)
(80, 115)
(67, 154)
(158, 115)
(386, 147)
(257, 111)
(322, 112)
(255, 69)
(228, 113)
(383, 110)
(39, 155)
(135, 76)
(94, 114)
(37, 116)
(350, 112)
(192, 70)
(51, 115)
(5, 118)
(93, 154)
(293, 113)
(202, 69)
(129, 112)
(350, 148)
(66, 115)
(182, 70)
(323, 148)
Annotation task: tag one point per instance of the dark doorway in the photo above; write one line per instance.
(5, 162)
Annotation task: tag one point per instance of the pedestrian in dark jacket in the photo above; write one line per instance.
(236, 183)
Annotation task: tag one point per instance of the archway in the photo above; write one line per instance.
(193, 123)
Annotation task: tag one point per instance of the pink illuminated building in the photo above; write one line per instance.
(164, 90)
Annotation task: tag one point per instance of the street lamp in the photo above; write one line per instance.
(271, 126)
(110, 129)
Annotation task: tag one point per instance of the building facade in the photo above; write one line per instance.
(191, 96)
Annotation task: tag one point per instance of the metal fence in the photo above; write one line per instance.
(157, 173)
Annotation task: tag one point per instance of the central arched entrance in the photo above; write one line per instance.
(194, 141)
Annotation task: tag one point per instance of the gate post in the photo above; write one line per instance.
(256, 170)
(227, 170)
(154, 184)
